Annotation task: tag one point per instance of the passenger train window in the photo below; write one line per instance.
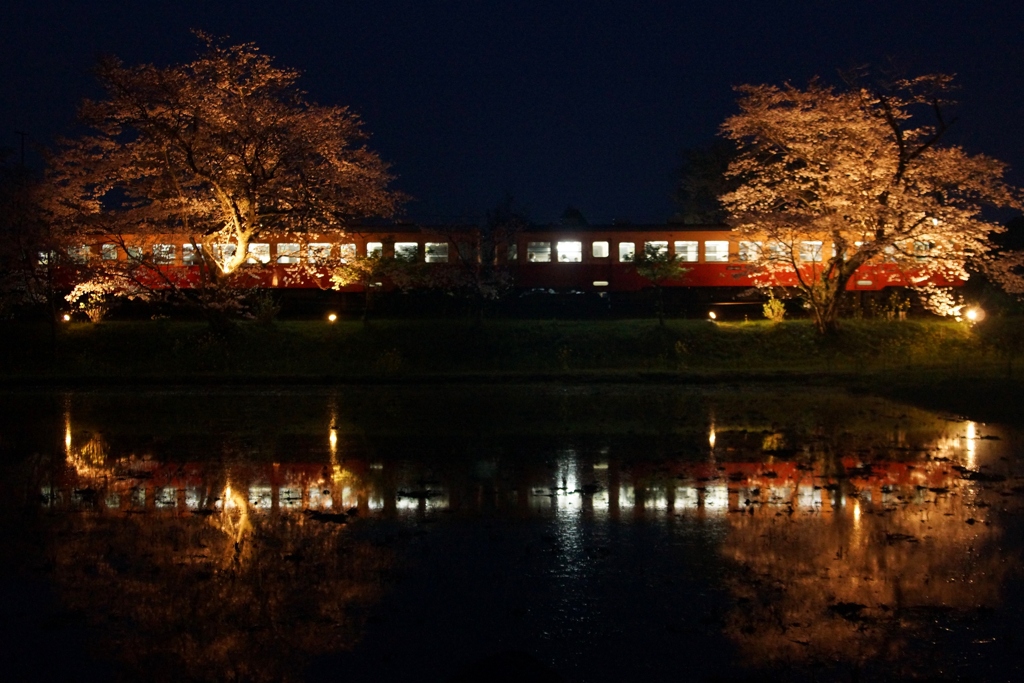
(570, 252)
(348, 251)
(163, 254)
(223, 252)
(750, 251)
(716, 251)
(108, 252)
(656, 248)
(375, 249)
(135, 253)
(319, 251)
(259, 252)
(513, 252)
(406, 251)
(436, 252)
(686, 250)
(190, 255)
(288, 252)
(627, 251)
(599, 249)
(538, 252)
(78, 254)
(810, 251)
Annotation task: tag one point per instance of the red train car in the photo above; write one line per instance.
(586, 259)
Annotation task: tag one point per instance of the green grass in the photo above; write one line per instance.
(933, 363)
(418, 348)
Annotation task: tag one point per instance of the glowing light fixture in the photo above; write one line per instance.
(67, 317)
(975, 315)
(332, 317)
(712, 315)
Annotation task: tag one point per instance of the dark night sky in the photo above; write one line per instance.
(557, 103)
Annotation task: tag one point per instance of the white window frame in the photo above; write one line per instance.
(319, 252)
(812, 251)
(288, 253)
(687, 251)
(750, 250)
(407, 251)
(538, 249)
(627, 252)
(435, 252)
(258, 252)
(570, 251)
(165, 254)
(714, 252)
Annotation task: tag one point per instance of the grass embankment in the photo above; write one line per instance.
(929, 361)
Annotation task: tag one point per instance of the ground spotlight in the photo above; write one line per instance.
(332, 317)
(975, 314)
(67, 317)
(712, 315)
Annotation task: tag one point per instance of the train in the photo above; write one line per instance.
(716, 266)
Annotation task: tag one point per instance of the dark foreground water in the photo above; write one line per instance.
(512, 533)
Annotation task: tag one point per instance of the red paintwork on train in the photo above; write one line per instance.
(595, 274)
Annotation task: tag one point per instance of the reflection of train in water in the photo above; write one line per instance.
(601, 487)
(579, 259)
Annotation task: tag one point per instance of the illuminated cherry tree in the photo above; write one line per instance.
(830, 180)
(220, 151)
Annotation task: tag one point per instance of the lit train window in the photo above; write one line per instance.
(288, 252)
(750, 251)
(436, 252)
(135, 253)
(716, 251)
(108, 252)
(223, 252)
(538, 252)
(406, 251)
(686, 250)
(777, 251)
(600, 250)
(922, 250)
(656, 248)
(374, 249)
(570, 252)
(513, 252)
(348, 251)
(78, 254)
(163, 254)
(319, 251)
(259, 252)
(190, 255)
(627, 251)
(810, 251)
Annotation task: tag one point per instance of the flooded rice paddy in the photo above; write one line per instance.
(509, 533)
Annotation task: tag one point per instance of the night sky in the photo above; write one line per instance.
(556, 103)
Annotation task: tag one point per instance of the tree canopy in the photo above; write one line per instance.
(220, 150)
(865, 173)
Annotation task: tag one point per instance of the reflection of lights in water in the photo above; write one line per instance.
(972, 445)
(711, 435)
(716, 498)
(333, 440)
(686, 498)
(856, 514)
(67, 438)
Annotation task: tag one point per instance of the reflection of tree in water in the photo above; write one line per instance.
(866, 572)
(224, 595)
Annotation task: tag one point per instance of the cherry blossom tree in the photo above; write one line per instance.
(219, 151)
(864, 175)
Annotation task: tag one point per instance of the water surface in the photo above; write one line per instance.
(592, 533)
